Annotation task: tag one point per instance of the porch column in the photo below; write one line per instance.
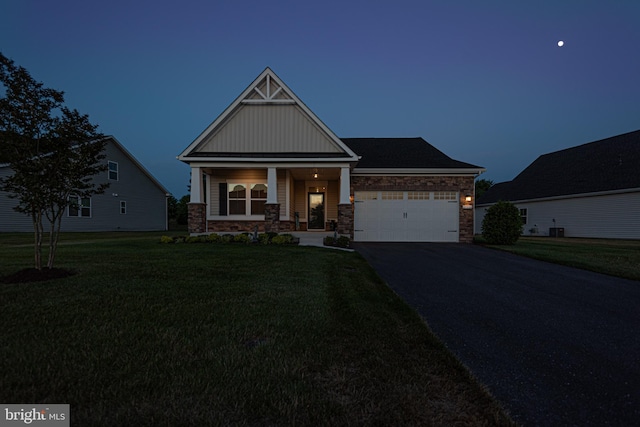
(196, 186)
(345, 186)
(197, 210)
(345, 210)
(272, 207)
(272, 186)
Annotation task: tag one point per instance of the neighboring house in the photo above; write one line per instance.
(268, 163)
(135, 200)
(592, 190)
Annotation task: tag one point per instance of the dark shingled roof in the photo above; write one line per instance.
(401, 153)
(605, 165)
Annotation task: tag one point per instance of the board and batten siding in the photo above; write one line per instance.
(146, 202)
(269, 129)
(613, 216)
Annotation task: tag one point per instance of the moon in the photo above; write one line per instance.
(560, 43)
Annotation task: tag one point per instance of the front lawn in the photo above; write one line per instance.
(619, 258)
(209, 334)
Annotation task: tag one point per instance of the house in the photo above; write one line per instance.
(135, 200)
(268, 163)
(592, 190)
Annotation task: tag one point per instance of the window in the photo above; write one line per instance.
(79, 207)
(445, 195)
(523, 215)
(392, 195)
(113, 170)
(247, 198)
(419, 195)
(123, 207)
(237, 199)
(258, 198)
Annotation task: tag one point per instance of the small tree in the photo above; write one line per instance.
(482, 185)
(53, 152)
(502, 224)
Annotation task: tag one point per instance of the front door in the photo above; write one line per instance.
(316, 211)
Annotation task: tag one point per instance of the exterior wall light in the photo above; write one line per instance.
(468, 198)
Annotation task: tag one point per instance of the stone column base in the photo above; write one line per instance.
(197, 217)
(272, 217)
(345, 219)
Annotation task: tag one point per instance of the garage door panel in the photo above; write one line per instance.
(420, 216)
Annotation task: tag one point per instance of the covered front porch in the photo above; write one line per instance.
(271, 198)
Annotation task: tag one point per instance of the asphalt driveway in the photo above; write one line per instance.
(556, 345)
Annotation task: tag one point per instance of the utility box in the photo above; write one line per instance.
(556, 232)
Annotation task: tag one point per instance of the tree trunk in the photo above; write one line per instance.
(54, 235)
(37, 244)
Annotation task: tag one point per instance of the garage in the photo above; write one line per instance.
(406, 216)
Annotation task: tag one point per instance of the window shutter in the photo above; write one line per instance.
(223, 198)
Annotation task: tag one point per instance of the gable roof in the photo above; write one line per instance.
(404, 153)
(267, 121)
(606, 165)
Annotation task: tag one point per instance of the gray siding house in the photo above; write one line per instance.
(592, 190)
(134, 201)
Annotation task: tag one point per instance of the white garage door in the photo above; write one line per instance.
(406, 216)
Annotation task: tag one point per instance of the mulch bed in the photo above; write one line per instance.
(29, 275)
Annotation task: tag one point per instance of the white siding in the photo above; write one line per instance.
(269, 129)
(615, 216)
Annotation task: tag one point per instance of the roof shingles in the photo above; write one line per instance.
(401, 153)
(605, 165)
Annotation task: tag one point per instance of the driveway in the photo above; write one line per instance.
(556, 345)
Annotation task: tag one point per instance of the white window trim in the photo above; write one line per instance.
(117, 171)
(80, 206)
(247, 200)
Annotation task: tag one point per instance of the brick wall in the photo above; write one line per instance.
(196, 217)
(462, 184)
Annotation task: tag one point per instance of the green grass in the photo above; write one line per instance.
(619, 258)
(205, 334)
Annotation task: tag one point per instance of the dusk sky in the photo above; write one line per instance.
(485, 82)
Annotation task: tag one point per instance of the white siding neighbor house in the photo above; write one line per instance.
(134, 201)
(269, 163)
(592, 190)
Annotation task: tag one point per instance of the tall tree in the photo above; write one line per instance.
(53, 152)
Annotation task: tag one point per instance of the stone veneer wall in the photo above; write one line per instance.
(345, 219)
(196, 217)
(462, 184)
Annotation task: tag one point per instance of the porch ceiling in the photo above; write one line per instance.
(301, 174)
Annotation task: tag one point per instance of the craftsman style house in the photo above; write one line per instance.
(592, 190)
(268, 163)
(134, 201)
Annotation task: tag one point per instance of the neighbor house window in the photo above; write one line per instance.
(237, 199)
(79, 206)
(258, 198)
(523, 216)
(113, 170)
(123, 207)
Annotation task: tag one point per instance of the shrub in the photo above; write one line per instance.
(242, 238)
(264, 238)
(213, 238)
(343, 242)
(502, 224)
(166, 239)
(329, 241)
(282, 239)
(195, 239)
(226, 238)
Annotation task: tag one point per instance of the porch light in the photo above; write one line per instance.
(468, 198)
(315, 175)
